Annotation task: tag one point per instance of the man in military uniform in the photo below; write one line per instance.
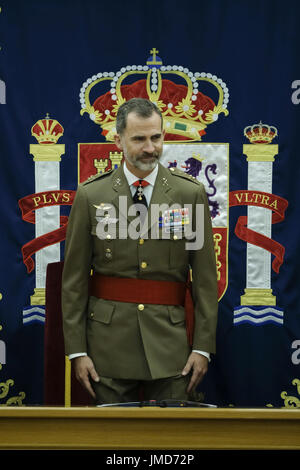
(125, 326)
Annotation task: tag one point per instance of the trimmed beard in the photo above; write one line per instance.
(137, 163)
(149, 166)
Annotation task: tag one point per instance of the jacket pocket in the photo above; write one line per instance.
(100, 310)
(176, 314)
(178, 251)
(104, 248)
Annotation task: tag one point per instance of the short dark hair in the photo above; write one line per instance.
(142, 107)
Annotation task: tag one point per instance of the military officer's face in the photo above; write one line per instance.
(142, 143)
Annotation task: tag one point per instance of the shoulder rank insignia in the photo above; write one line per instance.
(97, 176)
(182, 174)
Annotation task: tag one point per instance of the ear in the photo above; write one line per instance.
(118, 143)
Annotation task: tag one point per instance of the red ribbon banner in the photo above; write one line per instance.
(268, 201)
(29, 205)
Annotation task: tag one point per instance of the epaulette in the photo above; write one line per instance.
(97, 176)
(176, 172)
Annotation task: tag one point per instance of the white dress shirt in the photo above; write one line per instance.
(147, 190)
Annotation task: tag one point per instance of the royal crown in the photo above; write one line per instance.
(185, 109)
(260, 133)
(47, 130)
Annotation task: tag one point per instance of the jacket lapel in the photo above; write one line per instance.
(122, 199)
(162, 194)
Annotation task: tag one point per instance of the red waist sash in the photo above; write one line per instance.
(146, 291)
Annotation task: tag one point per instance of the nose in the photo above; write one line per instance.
(148, 146)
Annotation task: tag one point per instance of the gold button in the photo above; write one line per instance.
(144, 265)
(141, 241)
(108, 237)
(141, 307)
(108, 250)
(175, 237)
(92, 315)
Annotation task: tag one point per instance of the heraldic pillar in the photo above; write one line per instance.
(260, 156)
(47, 157)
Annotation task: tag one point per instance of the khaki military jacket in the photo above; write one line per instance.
(124, 340)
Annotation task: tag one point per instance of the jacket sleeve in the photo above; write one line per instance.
(204, 280)
(76, 273)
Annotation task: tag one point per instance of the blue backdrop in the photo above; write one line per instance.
(48, 50)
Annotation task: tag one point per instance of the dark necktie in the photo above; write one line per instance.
(139, 197)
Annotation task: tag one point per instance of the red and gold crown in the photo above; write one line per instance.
(47, 131)
(260, 133)
(186, 110)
